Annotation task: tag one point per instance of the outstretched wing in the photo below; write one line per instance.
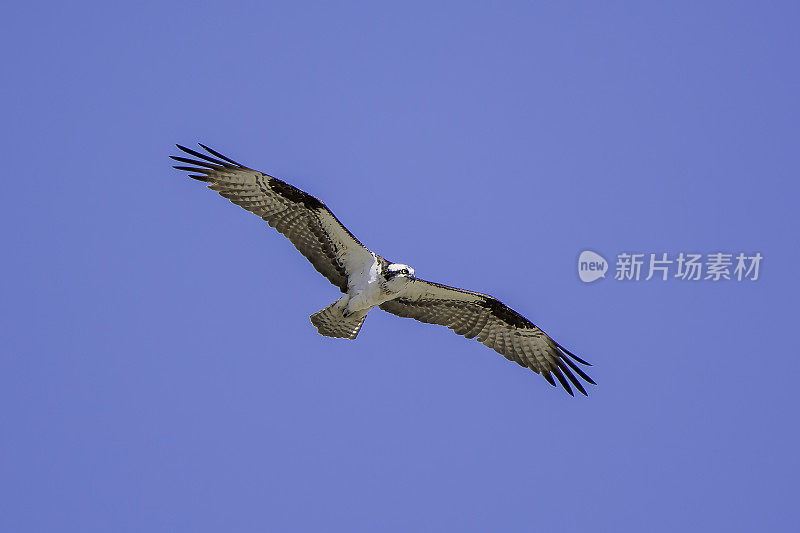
(302, 218)
(496, 325)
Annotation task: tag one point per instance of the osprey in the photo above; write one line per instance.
(368, 280)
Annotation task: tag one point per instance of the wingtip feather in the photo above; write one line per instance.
(563, 381)
(217, 154)
(204, 157)
(571, 377)
(580, 372)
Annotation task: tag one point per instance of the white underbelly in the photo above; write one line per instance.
(367, 298)
(365, 290)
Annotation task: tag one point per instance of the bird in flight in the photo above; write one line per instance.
(368, 280)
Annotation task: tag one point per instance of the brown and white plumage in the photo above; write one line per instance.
(302, 218)
(496, 325)
(368, 280)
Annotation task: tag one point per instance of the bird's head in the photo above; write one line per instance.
(397, 271)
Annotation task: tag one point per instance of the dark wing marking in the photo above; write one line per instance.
(496, 325)
(302, 218)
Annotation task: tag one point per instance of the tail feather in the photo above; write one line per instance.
(331, 322)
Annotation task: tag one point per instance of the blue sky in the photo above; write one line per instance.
(160, 373)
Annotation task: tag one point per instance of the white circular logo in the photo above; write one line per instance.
(591, 266)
